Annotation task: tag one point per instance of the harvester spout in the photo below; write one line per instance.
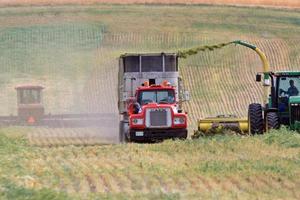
(266, 65)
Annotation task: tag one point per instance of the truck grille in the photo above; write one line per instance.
(158, 117)
(295, 113)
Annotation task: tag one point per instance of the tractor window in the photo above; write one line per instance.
(156, 96)
(30, 96)
(289, 86)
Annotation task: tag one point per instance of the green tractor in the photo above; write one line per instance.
(282, 107)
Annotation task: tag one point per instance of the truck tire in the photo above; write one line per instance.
(123, 129)
(272, 121)
(255, 119)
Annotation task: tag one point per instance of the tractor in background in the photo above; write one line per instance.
(30, 108)
(31, 112)
(29, 100)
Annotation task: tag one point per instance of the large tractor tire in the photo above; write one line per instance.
(255, 119)
(272, 121)
(123, 129)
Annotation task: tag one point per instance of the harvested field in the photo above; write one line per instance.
(272, 3)
(73, 50)
(226, 167)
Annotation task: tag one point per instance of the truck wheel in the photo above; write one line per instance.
(123, 129)
(255, 119)
(272, 120)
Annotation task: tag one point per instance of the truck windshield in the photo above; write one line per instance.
(289, 86)
(156, 96)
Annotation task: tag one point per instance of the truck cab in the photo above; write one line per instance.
(150, 97)
(156, 115)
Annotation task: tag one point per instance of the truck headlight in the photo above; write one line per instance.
(179, 120)
(137, 121)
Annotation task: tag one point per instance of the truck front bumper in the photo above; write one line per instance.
(157, 134)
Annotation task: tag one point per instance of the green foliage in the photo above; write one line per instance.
(283, 137)
(217, 168)
(10, 191)
(11, 145)
(137, 196)
(194, 51)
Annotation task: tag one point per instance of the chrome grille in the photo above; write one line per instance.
(295, 113)
(158, 117)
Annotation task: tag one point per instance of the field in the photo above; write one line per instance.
(221, 167)
(277, 3)
(72, 51)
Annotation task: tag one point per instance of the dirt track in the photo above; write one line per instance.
(273, 3)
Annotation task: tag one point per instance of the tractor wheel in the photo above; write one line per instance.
(272, 121)
(255, 119)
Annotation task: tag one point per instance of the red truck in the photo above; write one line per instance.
(150, 98)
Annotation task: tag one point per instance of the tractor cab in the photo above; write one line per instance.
(285, 97)
(30, 105)
(287, 87)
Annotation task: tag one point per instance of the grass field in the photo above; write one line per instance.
(221, 167)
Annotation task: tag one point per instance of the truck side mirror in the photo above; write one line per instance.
(186, 96)
(258, 77)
